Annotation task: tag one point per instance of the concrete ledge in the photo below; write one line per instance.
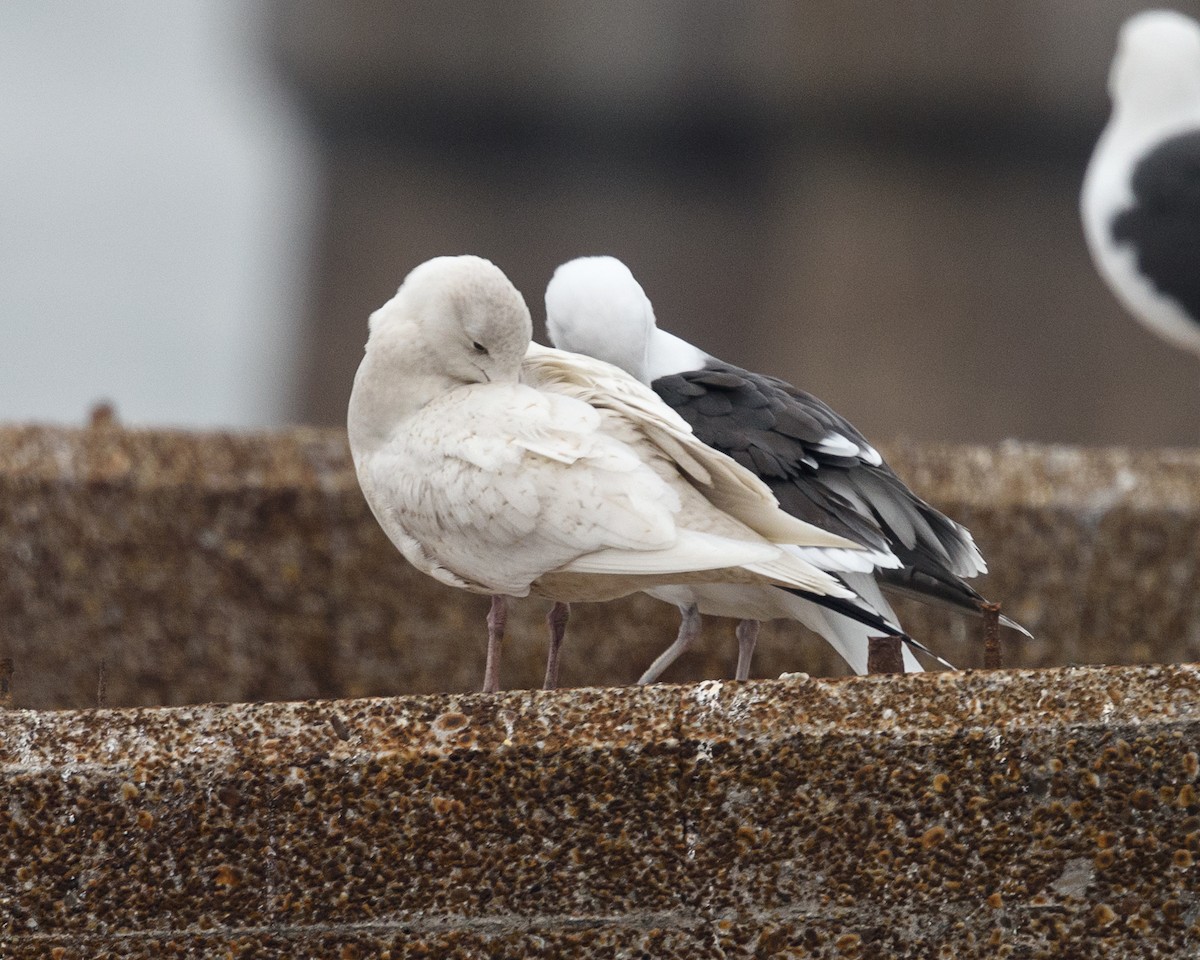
(983, 815)
(199, 567)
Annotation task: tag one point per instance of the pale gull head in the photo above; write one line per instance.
(473, 323)
(454, 321)
(596, 307)
(1155, 74)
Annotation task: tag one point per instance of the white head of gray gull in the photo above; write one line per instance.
(1141, 194)
(817, 464)
(488, 471)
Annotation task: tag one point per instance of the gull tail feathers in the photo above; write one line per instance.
(869, 589)
(848, 627)
(851, 609)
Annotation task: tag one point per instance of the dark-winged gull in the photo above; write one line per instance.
(817, 464)
(488, 478)
(1141, 195)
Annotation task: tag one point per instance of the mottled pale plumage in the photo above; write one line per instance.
(508, 474)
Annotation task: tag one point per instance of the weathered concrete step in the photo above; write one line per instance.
(1036, 813)
(202, 567)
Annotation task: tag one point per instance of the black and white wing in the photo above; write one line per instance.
(825, 472)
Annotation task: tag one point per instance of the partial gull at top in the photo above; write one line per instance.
(816, 463)
(1141, 194)
(504, 487)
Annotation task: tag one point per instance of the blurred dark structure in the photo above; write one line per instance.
(876, 202)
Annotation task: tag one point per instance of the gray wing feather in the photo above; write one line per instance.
(801, 448)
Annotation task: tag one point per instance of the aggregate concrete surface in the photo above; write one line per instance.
(959, 814)
(987, 814)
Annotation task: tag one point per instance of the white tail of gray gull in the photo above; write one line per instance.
(488, 470)
(820, 468)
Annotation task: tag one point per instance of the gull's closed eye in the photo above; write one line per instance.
(479, 347)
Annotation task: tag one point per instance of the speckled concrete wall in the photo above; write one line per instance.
(247, 567)
(953, 815)
(976, 815)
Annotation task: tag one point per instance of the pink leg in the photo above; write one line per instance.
(556, 620)
(689, 630)
(497, 619)
(747, 637)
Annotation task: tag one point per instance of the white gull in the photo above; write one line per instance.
(816, 463)
(1141, 194)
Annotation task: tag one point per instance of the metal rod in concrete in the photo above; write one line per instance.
(884, 655)
(102, 685)
(992, 654)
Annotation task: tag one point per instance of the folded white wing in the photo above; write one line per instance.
(491, 486)
(727, 485)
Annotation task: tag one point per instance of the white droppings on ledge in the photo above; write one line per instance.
(508, 718)
(708, 693)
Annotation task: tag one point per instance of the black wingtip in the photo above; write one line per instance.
(1013, 625)
(917, 645)
(863, 615)
(855, 611)
(949, 593)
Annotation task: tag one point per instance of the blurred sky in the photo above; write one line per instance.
(156, 194)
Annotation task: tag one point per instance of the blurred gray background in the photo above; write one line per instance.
(202, 201)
